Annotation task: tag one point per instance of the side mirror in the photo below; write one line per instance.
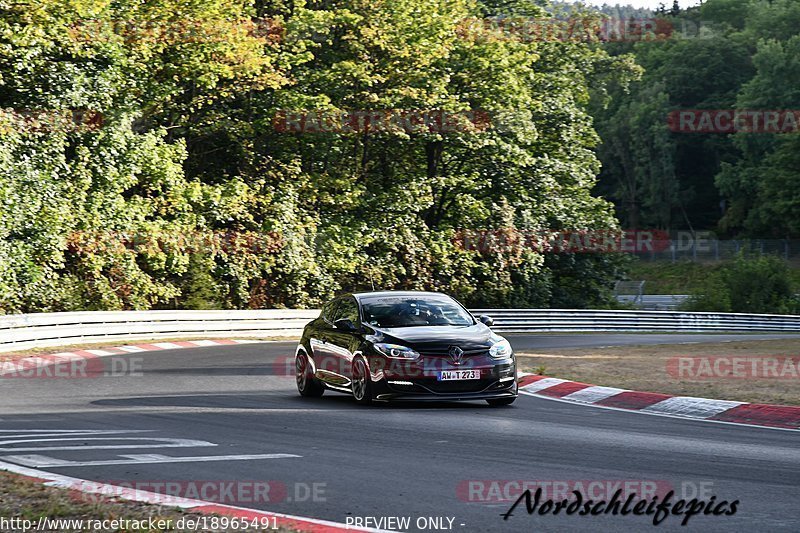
(486, 319)
(345, 324)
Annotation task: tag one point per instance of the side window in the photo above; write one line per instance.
(347, 309)
(329, 310)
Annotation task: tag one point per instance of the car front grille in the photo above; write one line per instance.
(428, 386)
(446, 353)
(445, 387)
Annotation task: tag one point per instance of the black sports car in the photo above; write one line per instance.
(381, 346)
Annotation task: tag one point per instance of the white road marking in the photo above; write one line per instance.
(205, 343)
(68, 431)
(131, 349)
(40, 461)
(101, 353)
(545, 383)
(18, 434)
(162, 443)
(691, 407)
(593, 394)
(183, 409)
(145, 456)
(62, 355)
(167, 345)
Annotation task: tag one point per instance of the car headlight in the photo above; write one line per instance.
(500, 349)
(397, 351)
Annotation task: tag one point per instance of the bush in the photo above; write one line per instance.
(748, 285)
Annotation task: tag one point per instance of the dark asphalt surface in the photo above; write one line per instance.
(405, 460)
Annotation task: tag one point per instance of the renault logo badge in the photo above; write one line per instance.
(456, 354)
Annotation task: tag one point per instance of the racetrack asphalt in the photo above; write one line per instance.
(228, 407)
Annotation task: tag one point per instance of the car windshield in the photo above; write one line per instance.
(411, 311)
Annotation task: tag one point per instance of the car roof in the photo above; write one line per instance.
(386, 294)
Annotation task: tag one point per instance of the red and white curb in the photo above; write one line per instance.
(752, 414)
(297, 523)
(30, 362)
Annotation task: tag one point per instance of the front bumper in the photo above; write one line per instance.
(498, 381)
(449, 397)
(418, 380)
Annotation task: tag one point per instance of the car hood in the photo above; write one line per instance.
(435, 339)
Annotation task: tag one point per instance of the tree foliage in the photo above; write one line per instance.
(722, 55)
(187, 195)
(748, 285)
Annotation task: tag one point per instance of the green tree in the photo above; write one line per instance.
(188, 195)
(758, 185)
(748, 285)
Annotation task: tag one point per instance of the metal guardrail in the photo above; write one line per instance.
(582, 320)
(20, 332)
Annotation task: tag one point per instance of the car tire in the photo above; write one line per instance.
(360, 382)
(499, 402)
(307, 384)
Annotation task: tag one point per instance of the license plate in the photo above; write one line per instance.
(450, 375)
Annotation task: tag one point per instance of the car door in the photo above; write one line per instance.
(343, 343)
(324, 361)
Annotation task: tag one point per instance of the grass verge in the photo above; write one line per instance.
(684, 277)
(29, 500)
(645, 368)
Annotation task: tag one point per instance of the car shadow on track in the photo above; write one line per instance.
(262, 370)
(343, 400)
(279, 401)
